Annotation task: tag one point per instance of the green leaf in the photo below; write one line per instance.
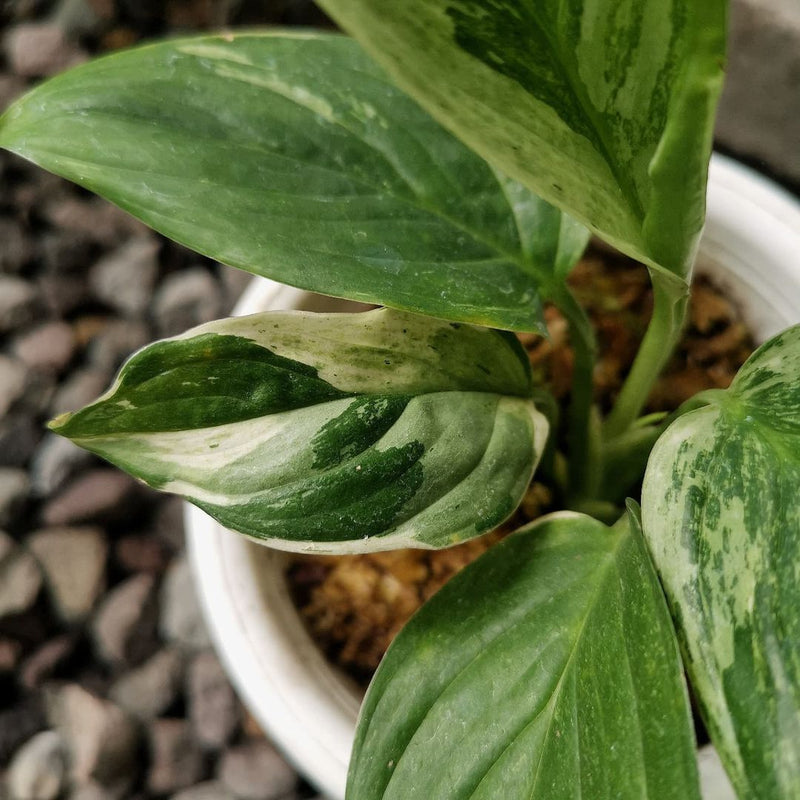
(328, 432)
(722, 519)
(603, 108)
(546, 670)
(293, 156)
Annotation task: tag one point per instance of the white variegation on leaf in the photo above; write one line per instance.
(328, 432)
(604, 108)
(722, 519)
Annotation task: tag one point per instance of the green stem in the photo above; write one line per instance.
(581, 435)
(670, 296)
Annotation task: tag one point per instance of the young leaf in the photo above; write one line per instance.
(293, 156)
(604, 108)
(722, 520)
(546, 670)
(328, 432)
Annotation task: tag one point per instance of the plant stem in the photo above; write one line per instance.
(581, 435)
(670, 297)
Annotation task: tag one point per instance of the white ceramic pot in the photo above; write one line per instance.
(751, 246)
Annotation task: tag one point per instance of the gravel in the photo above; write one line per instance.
(124, 627)
(73, 561)
(176, 760)
(19, 301)
(181, 619)
(101, 740)
(37, 49)
(149, 690)
(20, 579)
(14, 490)
(98, 495)
(13, 381)
(124, 278)
(256, 771)
(213, 709)
(49, 346)
(38, 769)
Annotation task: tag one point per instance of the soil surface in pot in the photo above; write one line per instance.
(354, 605)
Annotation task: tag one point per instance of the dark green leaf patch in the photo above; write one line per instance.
(206, 380)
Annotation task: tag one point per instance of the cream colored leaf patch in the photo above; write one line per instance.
(722, 519)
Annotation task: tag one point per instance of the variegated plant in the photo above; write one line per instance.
(551, 667)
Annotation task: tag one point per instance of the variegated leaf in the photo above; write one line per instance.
(293, 156)
(328, 432)
(546, 670)
(722, 519)
(604, 108)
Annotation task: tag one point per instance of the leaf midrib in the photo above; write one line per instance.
(601, 577)
(626, 185)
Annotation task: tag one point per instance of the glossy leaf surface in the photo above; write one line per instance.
(545, 670)
(604, 108)
(328, 432)
(293, 156)
(722, 519)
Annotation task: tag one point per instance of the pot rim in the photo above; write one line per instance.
(304, 704)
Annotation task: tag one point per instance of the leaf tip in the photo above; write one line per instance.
(57, 424)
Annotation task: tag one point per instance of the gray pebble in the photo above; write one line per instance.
(7, 545)
(208, 790)
(36, 49)
(20, 578)
(256, 771)
(61, 252)
(81, 388)
(116, 342)
(10, 651)
(38, 769)
(13, 382)
(101, 740)
(124, 626)
(62, 294)
(185, 299)
(56, 460)
(98, 495)
(16, 250)
(19, 436)
(41, 664)
(73, 561)
(758, 111)
(14, 490)
(125, 277)
(94, 218)
(77, 17)
(49, 346)
(176, 760)
(150, 689)
(213, 708)
(181, 618)
(19, 722)
(19, 302)
(168, 522)
(92, 790)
